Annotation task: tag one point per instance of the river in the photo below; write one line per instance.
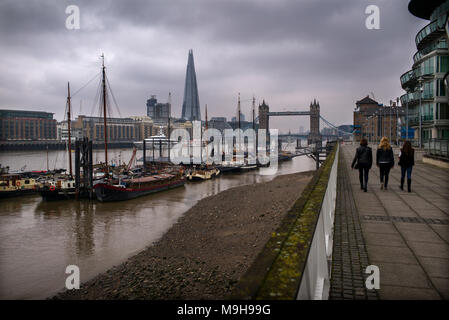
(38, 239)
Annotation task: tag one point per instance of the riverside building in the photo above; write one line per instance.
(27, 125)
(426, 96)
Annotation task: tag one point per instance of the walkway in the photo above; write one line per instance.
(405, 234)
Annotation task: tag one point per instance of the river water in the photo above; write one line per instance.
(38, 239)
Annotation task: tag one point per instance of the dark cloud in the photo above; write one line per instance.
(286, 52)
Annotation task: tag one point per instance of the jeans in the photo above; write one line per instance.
(384, 172)
(408, 170)
(363, 174)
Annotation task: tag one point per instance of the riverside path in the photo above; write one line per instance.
(405, 234)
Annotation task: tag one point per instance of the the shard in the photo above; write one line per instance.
(191, 104)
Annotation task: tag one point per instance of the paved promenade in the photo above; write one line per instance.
(405, 234)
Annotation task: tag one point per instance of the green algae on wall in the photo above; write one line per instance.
(276, 273)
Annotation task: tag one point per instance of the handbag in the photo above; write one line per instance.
(356, 165)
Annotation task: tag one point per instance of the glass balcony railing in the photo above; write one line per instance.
(413, 97)
(410, 78)
(426, 31)
(406, 77)
(421, 53)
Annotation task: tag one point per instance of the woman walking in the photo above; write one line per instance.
(406, 161)
(385, 161)
(363, 160)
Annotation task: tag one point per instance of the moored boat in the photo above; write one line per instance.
(131, 188)
(13, 185)
(62, 188)
(204, 173)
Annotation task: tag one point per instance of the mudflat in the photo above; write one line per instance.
(206, 252)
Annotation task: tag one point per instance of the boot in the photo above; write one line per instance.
(409, 183)
(402, 184)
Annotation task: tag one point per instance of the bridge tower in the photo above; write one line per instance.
(314, 135)
(264, 109)
(264, 119)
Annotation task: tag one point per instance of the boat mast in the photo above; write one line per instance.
(238, 110)
(69, 120)
(104, 118)
(254, 113)
(168, 126)
(206, 116)
(207, 150)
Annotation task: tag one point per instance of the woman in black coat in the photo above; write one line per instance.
(406, 161)
(363, 160)
(385, 161)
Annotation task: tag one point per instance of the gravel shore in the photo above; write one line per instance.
(207, 251)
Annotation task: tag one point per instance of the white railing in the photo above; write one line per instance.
(315, 282)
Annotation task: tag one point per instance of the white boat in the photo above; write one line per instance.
(156, 141)
(196, 174)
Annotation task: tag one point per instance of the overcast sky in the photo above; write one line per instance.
(284, 51)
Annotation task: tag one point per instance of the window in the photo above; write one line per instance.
(443, 64)
(426, 134)
(441, 88)
(27, 181)
(427, 66)
(427, 111)
(444, 134)
(443, 111)
(427, 92)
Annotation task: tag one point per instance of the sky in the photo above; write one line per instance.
(286, 52)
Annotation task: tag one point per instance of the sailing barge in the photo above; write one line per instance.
(131, 188)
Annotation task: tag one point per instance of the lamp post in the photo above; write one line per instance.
(406, 115)
(389, 119)
(397, 120)
(420, 79)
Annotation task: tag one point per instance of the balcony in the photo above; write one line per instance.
(413, 97)
(410, 78)
(427, 34)
(436, 46)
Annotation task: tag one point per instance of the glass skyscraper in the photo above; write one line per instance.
(191, 105)
(427, 96)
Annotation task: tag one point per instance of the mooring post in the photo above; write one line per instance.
(77, 168)
(91, 170)
(144, 155)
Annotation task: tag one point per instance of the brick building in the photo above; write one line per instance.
(27, 125)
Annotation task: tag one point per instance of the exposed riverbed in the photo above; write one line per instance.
(206, 252)
(39, 239)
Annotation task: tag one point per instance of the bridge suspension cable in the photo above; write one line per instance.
(334, 126)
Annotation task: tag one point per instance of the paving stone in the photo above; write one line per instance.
(422, 236)
(427, 249)
(384, 239)
(391, 254)
(398, 274)
(407, 293)
(435, 267)
(411, 249)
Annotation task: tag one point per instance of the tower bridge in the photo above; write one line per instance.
(314, 136)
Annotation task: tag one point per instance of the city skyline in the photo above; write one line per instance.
(265, 49)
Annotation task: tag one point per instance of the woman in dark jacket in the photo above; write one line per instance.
(407, 161)
(363, 160)
(385, 161)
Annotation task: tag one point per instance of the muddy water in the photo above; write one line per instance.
(39, 239)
